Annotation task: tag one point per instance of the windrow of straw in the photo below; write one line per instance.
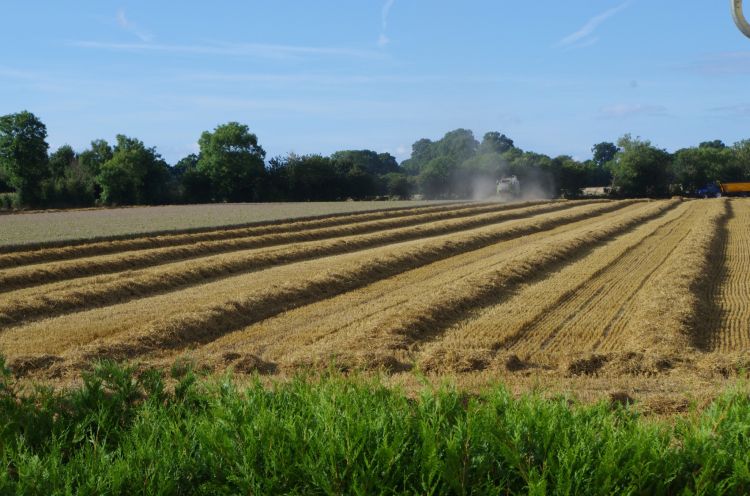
(670, 313)
(726, 311)
(425, 318)
(362, 310)
(175, 235)
(56, 336)
(234, 313)
(145, 242)
(599, 311)
(370, 234)
(577, 302)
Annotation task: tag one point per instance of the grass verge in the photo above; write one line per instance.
(126, 432)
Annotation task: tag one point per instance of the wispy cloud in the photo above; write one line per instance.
(383, 40)
(623, 110)
(9, 72)
(232, 49)
(343, 79)
(585, 36)
(130, 27)
(739, 110)
(721, 64)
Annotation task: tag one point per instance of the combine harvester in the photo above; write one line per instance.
(508, 188)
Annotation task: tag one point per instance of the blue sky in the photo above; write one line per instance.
(318, 76)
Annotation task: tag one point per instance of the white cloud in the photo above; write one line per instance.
(722, 63)
(403, 151)
(739, 110)
(584, 36)
(235, 49)
(623, 110)
(129, 26)
(383, 40)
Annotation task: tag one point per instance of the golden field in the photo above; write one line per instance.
(599, 297)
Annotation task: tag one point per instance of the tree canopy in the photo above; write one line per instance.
(231, 166)
(232, 159)
(23, 154)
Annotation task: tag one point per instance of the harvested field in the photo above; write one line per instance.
(61, 226)
(594, 297)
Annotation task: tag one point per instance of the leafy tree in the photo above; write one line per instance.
(367, 160)
(69, 183)
(23, 154)
(312, 178)
(436, 178)
(695, 167)
(458, 145)
(5, 186)
(93, 158)
(422, 151)
(604, 153)
(741, 152)
(715, 144)
(397, 185)
(640, 169)
(360, 185)
(234, 161)
(362, 171)
(134, 175)
(194, 186)
(572, 177)
(494, 142)
(186, 164)
(61, 160)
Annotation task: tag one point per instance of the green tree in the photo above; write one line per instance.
(94, 157)
(234, 161)
(604, 153)
(741, 151)
(23, 155)
(494, 142)
(572, 177)
(422, 151)
(695, 167)
(134, 175)
(61, 160)
(716, 144)
(397, 185)
(458, 145)
(312, 178)
(640, 169)
(194, 186)
(436, 178)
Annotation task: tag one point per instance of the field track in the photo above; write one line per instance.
(551, 286)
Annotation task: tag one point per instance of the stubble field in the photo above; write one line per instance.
(594, 298)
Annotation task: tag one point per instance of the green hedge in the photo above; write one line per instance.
(126, 433)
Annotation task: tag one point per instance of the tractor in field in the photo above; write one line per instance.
(508, 188)
(717, 189)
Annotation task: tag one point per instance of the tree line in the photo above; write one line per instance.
(231, 166)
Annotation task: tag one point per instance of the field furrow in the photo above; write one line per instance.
(204, 312)
(594, 316)
(529, 314)
(597, 291)
(71, 250)
(362, 310)
(381, 326)
(392, 230)
(160, 279)
(728, 325)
